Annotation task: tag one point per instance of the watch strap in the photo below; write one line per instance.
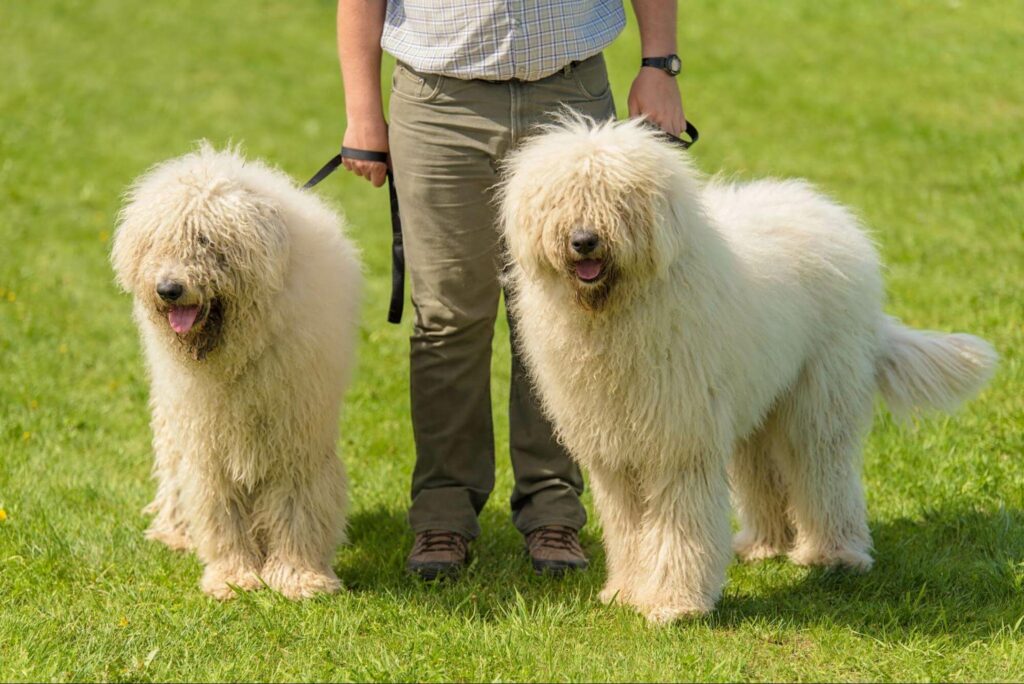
(664, 63)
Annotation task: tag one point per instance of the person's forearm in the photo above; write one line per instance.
(655, 93)
(657, 22)
(360, 24)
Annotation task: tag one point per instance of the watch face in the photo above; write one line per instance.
(674, 65)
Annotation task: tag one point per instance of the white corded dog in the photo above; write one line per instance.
(246, 295)
(678, 328)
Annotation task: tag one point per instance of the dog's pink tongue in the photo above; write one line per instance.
(182, 318)
(588, 269)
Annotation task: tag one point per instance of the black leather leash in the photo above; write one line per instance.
(397, 248)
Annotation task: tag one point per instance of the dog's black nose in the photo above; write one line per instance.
(169, 290)
(583, 241)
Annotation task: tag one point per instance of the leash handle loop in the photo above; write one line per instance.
(364, 155)
(397, 248)
(397, 256)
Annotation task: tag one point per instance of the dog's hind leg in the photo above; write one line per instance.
(761, 497)
(684, 550)
(302, 516)
(169, 523)
(826, 418)
(619, 507)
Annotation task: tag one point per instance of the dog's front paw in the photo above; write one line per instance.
(223, 581)
(846, 556)
(666, 605)
(614, 593)
(298, 582)
(667, 614)
(174, 537)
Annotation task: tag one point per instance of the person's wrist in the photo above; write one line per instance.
(373, 111)
(656, 70)
(658, 50)
(365, 122)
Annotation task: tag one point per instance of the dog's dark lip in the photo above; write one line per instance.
(204, 313)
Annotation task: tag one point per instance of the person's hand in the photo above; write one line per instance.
(369, 133)
(655, 95)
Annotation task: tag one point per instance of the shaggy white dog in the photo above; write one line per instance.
(246, 294)
(677, 329)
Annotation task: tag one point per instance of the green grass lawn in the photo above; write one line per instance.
(910, 110)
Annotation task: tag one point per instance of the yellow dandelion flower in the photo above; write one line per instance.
(3, 515)
(63, 349)
(123, 622)
(25, 436)
(11, 296)
(104, 235)
(33, 404)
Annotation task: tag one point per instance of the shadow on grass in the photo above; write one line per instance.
(379, 540)
(498, 579)
(954, 573)
(958, 573)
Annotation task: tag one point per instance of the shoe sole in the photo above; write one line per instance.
(429, 573)
(556, 568)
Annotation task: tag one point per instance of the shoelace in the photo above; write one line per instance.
(561, 538)
(441, 541)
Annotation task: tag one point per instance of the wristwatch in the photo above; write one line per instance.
(670, 64)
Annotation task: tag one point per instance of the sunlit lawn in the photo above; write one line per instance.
(911, 111)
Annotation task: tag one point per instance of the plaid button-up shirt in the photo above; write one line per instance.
(499, 39)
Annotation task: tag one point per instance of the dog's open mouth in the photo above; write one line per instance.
(185, 319)
(593, 281)
(589, 270)
(194, 320)
(182, 318)
(198, 326)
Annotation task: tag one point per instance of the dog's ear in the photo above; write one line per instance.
(521, 237)
(678, 215)
(254, 242)
(667, 234)
(131, 243)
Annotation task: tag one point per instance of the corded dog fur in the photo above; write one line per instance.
(683, 333)
(246, 296)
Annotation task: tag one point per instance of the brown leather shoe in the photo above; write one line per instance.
(438, 554)
(554, 549)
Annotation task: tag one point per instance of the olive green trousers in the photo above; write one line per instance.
(447, 139)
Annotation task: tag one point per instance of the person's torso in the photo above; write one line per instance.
(499, 40)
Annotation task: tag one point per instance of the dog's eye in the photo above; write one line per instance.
(203, 241)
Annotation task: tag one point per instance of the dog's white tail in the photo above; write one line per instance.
(920, 369)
